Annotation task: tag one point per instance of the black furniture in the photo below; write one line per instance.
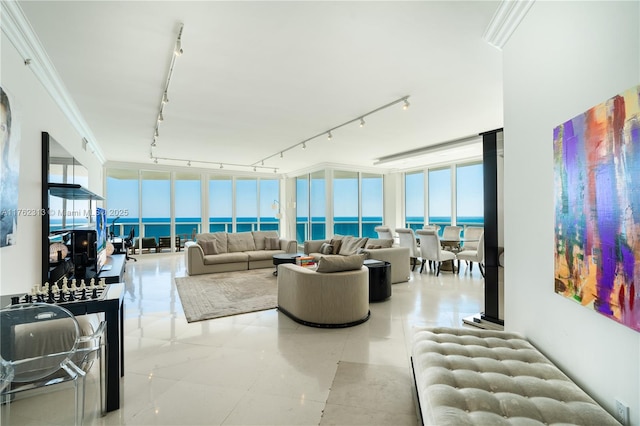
(279, 259)
(128, 243)
(379, 279)
(112, 307)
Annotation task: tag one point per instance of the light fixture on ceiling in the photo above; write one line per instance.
(505, 21)
(177, 51)
(189, 162)
(431, 150)
(328, 133)
(406, 104)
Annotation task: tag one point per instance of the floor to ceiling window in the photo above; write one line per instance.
(372, 200)
(123, 211)
(470, 195)
(269, 204)
(302, 208)
(188, 209)
(156, 204)
(318, 206)
(414, 199)
(246, 196)
(220, 203)
(345, 203)
(440, 197)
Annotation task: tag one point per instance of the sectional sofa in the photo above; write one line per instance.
(224, 252)
(371, 248)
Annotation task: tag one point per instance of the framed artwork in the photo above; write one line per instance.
(9, 169)
(597, 208)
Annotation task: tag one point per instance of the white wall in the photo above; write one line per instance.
(564, 58)
(20, 265)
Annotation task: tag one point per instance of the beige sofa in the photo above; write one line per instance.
(397, 256)
(224, 252)
(319, 299)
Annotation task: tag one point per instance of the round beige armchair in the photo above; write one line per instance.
(323, 299)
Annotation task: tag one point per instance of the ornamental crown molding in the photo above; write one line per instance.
(505, 21)
(21, 35)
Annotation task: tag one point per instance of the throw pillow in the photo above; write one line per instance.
(272, 243)
(336, 243)
(336, 263)
(209, 247)
(350, 245)
(373, 246)
(382, 242)
(326, 248)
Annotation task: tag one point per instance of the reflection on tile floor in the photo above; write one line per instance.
(262, 368)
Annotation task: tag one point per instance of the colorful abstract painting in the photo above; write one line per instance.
(597, 208)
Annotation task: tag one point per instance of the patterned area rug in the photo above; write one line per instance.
(227, 293)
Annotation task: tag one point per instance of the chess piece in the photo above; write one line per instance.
(15, 300)
(94, 293)
(83, 295)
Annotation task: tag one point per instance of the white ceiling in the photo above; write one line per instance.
(258, 77)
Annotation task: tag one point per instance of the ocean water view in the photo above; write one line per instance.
(306, 229)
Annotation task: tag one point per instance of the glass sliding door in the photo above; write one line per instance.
(122, 202)
(372, 203)
(246, 204)
(470, 195)
(220, 203)
(440, 197)
(156, 204)
(346, 203)
(414, 200)
(187, 206)
(270, 204)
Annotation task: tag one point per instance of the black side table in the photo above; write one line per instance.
(279, 259)
(379, 279)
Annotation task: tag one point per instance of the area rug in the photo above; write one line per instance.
(227, 293)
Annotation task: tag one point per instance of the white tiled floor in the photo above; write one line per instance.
(263, 368)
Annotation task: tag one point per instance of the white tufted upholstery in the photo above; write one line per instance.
(483, 377)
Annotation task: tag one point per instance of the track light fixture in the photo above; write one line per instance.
(221, 166)
(217, 164)
(178, 50)
(328, 133)
(165, 96)
(189, 163)
(155, 160)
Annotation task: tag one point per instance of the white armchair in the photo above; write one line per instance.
(384, 232)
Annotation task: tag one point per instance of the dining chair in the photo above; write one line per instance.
(384, 232)
(472, 237)
(44, 346)
(451, 237)
(430, 249)
(471, 255)
(407, 238)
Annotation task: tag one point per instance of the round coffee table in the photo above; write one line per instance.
(279, 259)
(379, 279)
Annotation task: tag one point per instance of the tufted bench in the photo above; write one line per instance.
(484, 377)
